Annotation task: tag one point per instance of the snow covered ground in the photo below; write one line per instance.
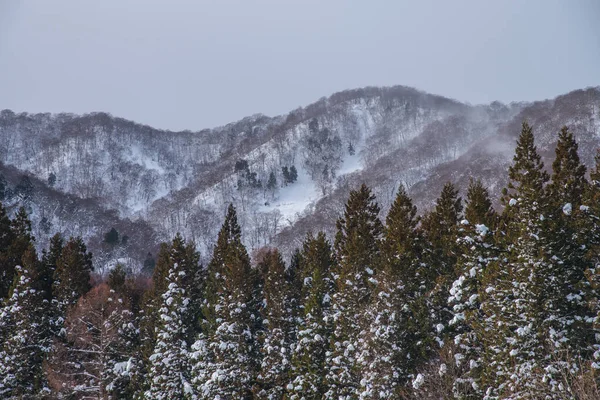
(294, 198)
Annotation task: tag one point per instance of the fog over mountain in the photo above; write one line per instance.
(85, 174)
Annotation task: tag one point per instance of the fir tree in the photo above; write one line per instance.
(21, 321)
(478, 249)
(568, 241)
(169, 372)
(48, 265)
(357, 251)
(514, 308)
(72, 274)
(7, 268)
(314, 319)
(397, 336)
(277, 318)
(440, 230)
(232, 318)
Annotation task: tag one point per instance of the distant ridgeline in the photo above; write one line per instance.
(461, 301)
(82, 175)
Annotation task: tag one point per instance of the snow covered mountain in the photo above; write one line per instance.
(83, 175)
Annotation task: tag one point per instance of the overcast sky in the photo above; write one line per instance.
(198, 64)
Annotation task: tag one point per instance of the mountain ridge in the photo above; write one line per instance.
(181, 181)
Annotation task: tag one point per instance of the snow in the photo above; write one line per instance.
(418, 381)
(512, 202)
(567, 209)
(294, 198)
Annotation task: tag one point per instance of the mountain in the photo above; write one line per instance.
(85, 174)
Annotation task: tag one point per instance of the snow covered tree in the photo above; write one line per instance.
(169, 372)
(96, 356)
(314, 325)
(232, 318)
(396, 338)
(182, 253)
(7, 270)
(357, 247)
(478, 249)
(276, 339)
(568, 243)
(440, 231)
(21, 322)
(72, 274)
(514, 283)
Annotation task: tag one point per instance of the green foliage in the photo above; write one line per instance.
(111, 237)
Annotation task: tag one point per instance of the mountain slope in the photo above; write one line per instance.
(182, 181)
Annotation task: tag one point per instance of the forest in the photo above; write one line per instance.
(464, 301)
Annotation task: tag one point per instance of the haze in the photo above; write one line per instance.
(198, 64)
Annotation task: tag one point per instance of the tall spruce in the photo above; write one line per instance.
(357, 250)
(396, 339)
(567, 328)
(440, 229)
(7, 267)
(278, 324)
(514, 305)
(478, 249)
(21, 320)
(232, 312)
(169, 370)
(314, 320)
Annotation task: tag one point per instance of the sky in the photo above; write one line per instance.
(199, 64)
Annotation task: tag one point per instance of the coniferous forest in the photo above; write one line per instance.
(477, 298)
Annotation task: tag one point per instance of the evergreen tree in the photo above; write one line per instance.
(440, 229)
(232, 318)
(71, 278)
(272, 182)
(21, 321)
(169, 372)
(48, 265)
(7, 268)
(192, 282)
(314, 319)
(277, 318)
(357, 245)
(396, 340)
(476, 240)
(568, 240)
(514, 305)
(293, 174)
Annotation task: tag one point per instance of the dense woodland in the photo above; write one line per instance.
(462, 302)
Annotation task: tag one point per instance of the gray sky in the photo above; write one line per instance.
(198, 64)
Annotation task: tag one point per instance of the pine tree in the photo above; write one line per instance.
(513, 307)
(277, 318)
(7, 268)
(357, 246)
(72, 275)
(440, 230)
(48, 265)
(565, 289)
(232, 318)
(169, 372)
(293, 174)
(21, 320)
(396, 338)
(476, 240)
(272, 182)
(314, 325)
(186, 257)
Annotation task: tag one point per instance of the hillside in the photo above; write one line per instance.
(151, 183)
